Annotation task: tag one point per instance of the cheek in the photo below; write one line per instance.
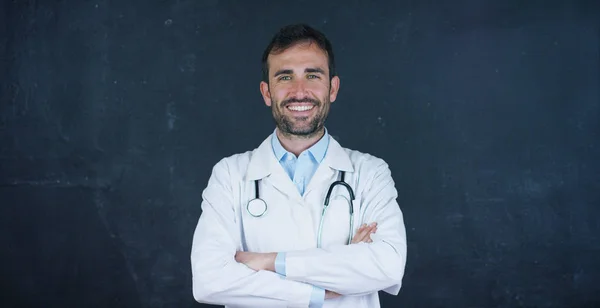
(280, 94)
(321, 90)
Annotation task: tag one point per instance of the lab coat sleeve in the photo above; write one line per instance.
(216, 276)
(361, 268)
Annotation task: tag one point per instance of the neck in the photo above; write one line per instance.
(297, 144)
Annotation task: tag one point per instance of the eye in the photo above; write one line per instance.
(284, 78)
(312, 76)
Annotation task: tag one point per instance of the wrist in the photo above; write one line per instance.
(270, 261)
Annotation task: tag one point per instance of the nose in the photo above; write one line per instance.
(299, 87)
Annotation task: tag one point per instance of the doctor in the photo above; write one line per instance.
(263, 238)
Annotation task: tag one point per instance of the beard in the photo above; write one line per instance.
(300, 126)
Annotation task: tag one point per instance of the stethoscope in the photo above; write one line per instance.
(257, 207)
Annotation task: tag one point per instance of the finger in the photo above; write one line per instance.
(357, 238)
(369, 228)
(368, 232)
(361, 230)
(363, 233)
(371, 232)
(369, 236)
(360, 234)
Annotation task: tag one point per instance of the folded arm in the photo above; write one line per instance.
(360, 268)
(216, 276)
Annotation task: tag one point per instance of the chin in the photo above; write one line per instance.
(304, 131)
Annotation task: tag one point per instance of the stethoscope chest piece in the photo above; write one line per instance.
(257, 207)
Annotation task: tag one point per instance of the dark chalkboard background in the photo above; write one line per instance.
(114, 112)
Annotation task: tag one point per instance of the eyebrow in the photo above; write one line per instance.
(314, 70)
(281, 72)
(308, 70)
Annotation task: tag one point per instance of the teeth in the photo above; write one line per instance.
(300, 108)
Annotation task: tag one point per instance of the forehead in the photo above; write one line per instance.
(299, 56)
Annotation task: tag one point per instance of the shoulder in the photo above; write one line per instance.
(366, 162)
(372, 174)
(234, 163)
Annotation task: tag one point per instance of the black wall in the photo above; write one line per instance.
(114, 112)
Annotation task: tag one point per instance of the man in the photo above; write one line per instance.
(287, 251)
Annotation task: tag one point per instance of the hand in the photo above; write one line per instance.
(331, 294)
(257, 261)
(363, 234)
(266, 261)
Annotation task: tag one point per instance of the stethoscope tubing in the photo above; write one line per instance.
(325, 206)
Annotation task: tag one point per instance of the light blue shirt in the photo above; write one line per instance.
(300, 170)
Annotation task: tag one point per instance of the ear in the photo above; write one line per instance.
(264, 90)
(335, 87)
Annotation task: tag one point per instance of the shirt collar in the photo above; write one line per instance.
(318, 150)
(263, 163)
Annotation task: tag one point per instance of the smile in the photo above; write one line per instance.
(300, 108)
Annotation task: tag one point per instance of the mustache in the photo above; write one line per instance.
(300, 100)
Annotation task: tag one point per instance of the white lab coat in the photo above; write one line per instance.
(291, 223)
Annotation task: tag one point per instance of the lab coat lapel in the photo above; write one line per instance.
(264, 166)
(336, 159)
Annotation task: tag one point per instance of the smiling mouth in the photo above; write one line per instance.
(301, 108)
